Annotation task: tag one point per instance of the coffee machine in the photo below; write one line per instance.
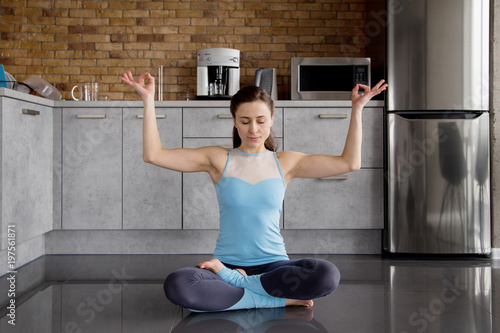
(218, 73)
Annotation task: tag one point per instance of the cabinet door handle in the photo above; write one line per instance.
(91, 116)
(224, 116)
(31, 112)
(158, 116)
(333, 116)
(339, 177)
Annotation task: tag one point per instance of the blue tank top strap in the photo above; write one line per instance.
(227, 164)
(279, 168)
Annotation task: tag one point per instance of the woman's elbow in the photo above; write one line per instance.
(355, 166)
(148, 158)
(153, 156)
(351, 163)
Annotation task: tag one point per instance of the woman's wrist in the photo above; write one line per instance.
(357, 108)
(149, 100)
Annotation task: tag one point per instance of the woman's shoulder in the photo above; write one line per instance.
(288, 159)
(215, 152)
(217, 158)
(288, 154)
(218, 155)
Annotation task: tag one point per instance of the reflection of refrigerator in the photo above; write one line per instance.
(437, 127)
(456, 297)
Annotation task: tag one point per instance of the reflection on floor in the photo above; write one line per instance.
(124, 293)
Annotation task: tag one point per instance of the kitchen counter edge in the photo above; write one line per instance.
(4, 92)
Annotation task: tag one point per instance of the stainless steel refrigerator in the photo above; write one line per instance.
(437, 127)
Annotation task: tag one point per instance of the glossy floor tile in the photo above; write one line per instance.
(124, 293)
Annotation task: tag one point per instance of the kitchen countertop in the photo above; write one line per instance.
(4, 92)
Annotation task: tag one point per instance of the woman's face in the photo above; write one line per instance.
(253, 122)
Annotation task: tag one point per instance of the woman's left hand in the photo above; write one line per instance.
(361, 100)
(145, 90)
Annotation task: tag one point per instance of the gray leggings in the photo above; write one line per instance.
(202, 290)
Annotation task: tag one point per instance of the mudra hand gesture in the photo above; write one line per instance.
(144, 90)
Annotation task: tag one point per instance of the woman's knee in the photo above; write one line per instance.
(330, 276)
(171, 286)
(321, 276)
(326, 275)
(176, 285)
(201, 290)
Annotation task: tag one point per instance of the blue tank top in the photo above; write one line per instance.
(250, 195)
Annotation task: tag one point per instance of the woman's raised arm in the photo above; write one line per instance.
(179, 159)
(299, 165)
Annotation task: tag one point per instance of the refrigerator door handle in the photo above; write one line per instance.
(451, 115)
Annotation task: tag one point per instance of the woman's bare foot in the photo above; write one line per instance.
(213, 265)
(298, 302)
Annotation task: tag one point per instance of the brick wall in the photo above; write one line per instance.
(71, 41)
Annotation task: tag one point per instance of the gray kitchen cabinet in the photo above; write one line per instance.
(151, 195)
(92, 168)
(324, 130)
(206, 123)
(351, 201)
(26, 153)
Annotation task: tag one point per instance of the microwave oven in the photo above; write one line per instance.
(327, 78)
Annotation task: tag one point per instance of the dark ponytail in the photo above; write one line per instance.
(251, 94)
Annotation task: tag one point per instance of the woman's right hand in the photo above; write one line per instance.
(361, 100)
(144, 90)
